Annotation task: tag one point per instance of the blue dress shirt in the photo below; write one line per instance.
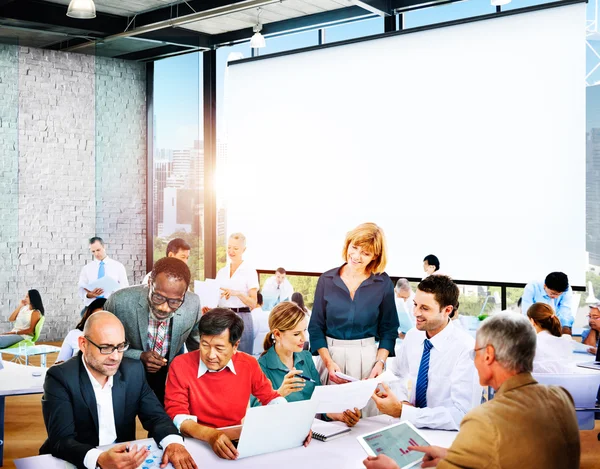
(534, 293)
(372, 313)
(275, 370)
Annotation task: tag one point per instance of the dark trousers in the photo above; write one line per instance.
(157, 382)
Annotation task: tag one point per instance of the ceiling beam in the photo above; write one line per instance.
(179, 36)
(378, 7)
(154, 53)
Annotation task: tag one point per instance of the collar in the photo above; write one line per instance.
(516, 381)
(95, 384)
(442, 339)
(103, 260)
(202, 369)
(273, 361)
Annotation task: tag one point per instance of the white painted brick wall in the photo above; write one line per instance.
(74, 167)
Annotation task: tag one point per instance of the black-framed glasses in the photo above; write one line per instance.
(158, 299)
(473, 352)
(108, 349)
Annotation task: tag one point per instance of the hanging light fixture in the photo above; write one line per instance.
(82, 9)
(258, 40)
(499, 3)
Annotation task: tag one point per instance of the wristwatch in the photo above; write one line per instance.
(381, 361)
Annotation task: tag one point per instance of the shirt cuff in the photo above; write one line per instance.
(91, 458)
(409, 413)
(180, 418)
(167, 440)
(278, 400)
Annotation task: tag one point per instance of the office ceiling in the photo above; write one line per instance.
(151, 29)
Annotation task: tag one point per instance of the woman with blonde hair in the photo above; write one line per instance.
(354, 323)
(553, 350)
(284, 361)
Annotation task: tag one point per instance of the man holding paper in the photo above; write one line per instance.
(438, 379)
(102, 276)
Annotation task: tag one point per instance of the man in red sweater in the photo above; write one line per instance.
(210, 387)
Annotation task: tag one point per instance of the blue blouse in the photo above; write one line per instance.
(372, 313)
(275, 370)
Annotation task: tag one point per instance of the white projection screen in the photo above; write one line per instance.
(466, 141)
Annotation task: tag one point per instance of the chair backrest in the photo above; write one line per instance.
(580, 314)
(38, 329)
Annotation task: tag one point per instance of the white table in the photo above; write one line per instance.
(30, 351)
(17, 380)
(344, 452)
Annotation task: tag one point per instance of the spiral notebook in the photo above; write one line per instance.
(326, 431)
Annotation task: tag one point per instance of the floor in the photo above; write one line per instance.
(25, 431)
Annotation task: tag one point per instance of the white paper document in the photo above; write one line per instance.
(208, 291)
(339, 397)
(108, 284)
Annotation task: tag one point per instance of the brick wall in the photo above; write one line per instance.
(79, 166)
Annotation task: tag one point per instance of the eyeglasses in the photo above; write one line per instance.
(109, 349)
(157, 299)
(473, 352)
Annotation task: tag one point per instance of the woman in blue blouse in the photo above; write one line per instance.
(354, 309)
(284, 359)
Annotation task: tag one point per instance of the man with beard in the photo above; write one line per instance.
(93, 399)
(159, 319)
(437, 375)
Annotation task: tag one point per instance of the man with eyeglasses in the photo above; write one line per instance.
(438, 382)
(93, 400)
(526, 424)
(591, 336)
(159, 319)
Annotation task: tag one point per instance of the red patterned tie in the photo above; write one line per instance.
(160, 337)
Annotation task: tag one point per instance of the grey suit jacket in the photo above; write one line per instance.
(131, 306)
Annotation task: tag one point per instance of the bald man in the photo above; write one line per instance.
(92, 400)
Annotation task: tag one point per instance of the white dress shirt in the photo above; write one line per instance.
(553, 354)
(107, 432)
(70, 346)
(89, 273)
(453, 385)
(244, 279)
(270, 290)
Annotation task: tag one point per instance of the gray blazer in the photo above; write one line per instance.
(131, 306)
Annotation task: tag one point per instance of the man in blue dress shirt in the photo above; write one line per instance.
(554, 291)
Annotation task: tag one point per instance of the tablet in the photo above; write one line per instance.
(393, 441)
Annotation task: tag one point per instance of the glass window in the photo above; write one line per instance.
(448, 12)
(290, 42)
(354, 29)
(178, 190)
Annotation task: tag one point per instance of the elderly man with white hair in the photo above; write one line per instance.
(526, 424)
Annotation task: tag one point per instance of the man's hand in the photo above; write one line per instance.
(118, 457)
(95, 293)
(377, 370)
(178, 456)
(433, 454)
(222, 445)
(332, 367)
(205, 309)
(566, 330)
(380, 462)
(592, 350)
(387, 402)
(291, 383)
(308, 439)
(152, 361)
(350, 418)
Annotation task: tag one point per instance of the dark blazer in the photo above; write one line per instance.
(71, 414)
(131, 306)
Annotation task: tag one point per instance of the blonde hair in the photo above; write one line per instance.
(543, 315)
(238, 237)
(371, 237)
(284, 317)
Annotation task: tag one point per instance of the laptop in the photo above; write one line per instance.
(595, 365)
(275, 427)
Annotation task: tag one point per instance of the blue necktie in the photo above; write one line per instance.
(101, 274)
(423, 377)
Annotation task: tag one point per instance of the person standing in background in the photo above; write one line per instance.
(277, 289)
(177, 248)
(101, 266)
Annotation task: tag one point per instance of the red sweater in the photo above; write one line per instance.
(217, 399)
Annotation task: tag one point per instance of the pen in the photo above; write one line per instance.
(304, 377)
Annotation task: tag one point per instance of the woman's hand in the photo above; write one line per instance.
(22, 303)
(228, 293)
(349, 417)
(332, 367)
(291, 383)
(377, 370)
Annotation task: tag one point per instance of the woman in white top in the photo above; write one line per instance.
(70, 346)
(25, 316)
(553, 350)
(239, 286)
